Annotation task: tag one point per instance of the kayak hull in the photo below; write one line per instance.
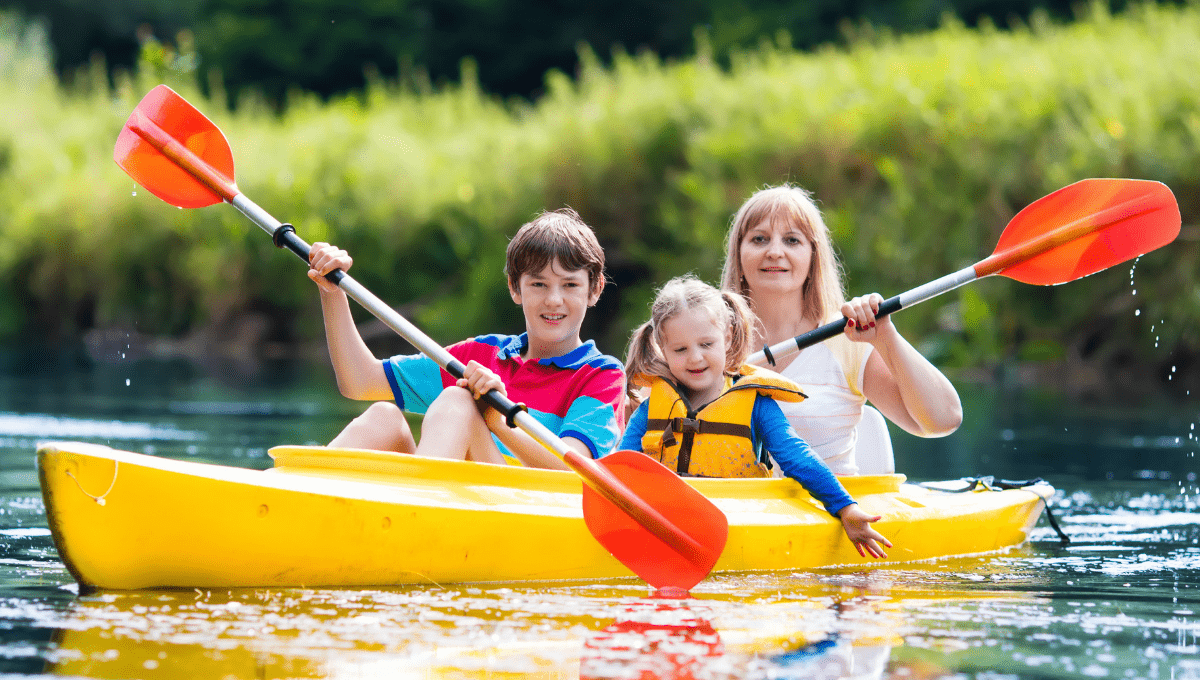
(353, 518)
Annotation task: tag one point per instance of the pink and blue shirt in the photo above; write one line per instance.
(580, 394)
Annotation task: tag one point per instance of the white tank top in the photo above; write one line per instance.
(831, 374)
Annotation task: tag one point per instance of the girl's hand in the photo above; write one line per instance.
(324, 258)
(860, 314)
(858, 528)
(480, 380)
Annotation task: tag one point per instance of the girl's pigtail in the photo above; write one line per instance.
(640, 358)
(741, 329)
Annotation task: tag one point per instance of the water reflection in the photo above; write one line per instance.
(841, 626)
(1122, 601)
(668, 638)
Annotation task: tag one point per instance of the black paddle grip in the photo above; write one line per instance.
(285, 237)
(829, 330)
(498, 401)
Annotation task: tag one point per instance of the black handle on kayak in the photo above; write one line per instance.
(829, 330)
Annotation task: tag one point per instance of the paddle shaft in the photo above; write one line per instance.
(995, 263)
(889, 306)
(594, 475)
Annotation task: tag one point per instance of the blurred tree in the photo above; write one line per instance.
(315, 45)
(81, 30)
(329, 46)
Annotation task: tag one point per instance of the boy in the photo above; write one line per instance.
(555, 271)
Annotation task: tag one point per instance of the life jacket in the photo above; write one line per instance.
(713, 439)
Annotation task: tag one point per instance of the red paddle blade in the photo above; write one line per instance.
(1084, 228)
(646, 555)
(162, 138)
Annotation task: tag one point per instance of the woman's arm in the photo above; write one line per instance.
(898, 380)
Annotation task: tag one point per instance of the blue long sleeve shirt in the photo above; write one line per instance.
(769, 427)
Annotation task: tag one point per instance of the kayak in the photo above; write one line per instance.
(356, 518)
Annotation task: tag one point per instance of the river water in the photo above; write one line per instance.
(1120, 601)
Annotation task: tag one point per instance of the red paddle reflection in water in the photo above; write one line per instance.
(659, 639)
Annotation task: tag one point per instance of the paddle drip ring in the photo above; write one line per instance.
(99, 499)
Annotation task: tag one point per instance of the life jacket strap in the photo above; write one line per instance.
(688, 428)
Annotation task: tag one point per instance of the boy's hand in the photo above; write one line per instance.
(858, 528)
(324, 258)
(480, 380)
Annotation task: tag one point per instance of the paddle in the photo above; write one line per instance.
(1079, 230)
(176, 153)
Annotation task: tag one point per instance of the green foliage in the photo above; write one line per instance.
(919, 149)
(332, 46)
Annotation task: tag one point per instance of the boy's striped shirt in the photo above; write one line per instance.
(579, 394)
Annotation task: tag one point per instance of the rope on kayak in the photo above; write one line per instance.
(992, 484)
(99, 499)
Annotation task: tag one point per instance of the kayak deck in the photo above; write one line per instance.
(354, 518)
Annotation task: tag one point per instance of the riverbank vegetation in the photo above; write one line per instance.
(919, 150)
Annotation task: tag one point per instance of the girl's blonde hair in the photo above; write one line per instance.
(822, 295)
(728, 310)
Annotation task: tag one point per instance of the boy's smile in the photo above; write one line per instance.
(554, 301)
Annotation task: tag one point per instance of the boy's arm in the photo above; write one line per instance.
(359, 374)
(480, 380)
(526, 448)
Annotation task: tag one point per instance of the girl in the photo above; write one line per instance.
(780, 258)
(708, 413)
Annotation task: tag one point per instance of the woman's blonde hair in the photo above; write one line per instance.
(822, 295)
(729, 310)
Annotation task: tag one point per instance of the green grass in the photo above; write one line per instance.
(919, 149)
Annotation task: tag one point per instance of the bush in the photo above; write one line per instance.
(920, 149)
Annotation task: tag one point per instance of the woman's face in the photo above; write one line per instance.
(775, 258)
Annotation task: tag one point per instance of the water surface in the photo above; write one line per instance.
(1120, 601)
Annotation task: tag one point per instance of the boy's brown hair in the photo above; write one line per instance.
(557, 235)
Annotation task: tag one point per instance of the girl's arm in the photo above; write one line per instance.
(898, 380)
(795, 457)
(636, 428)
(359, 374)
(801, 464)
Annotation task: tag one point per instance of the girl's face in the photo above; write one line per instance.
(775, 257)
(694, 346)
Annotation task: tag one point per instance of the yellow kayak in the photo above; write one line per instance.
(355, 518)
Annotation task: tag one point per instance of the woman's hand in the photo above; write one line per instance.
(861, 318)
(479, 380)
(324, 258)
(858, 528)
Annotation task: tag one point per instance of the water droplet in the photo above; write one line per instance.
(127, 382)
(1135, 291)
(1137, 312)
(133, 194)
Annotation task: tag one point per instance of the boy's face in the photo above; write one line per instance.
(554, 301)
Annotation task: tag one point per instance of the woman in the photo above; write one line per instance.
(780, 257)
